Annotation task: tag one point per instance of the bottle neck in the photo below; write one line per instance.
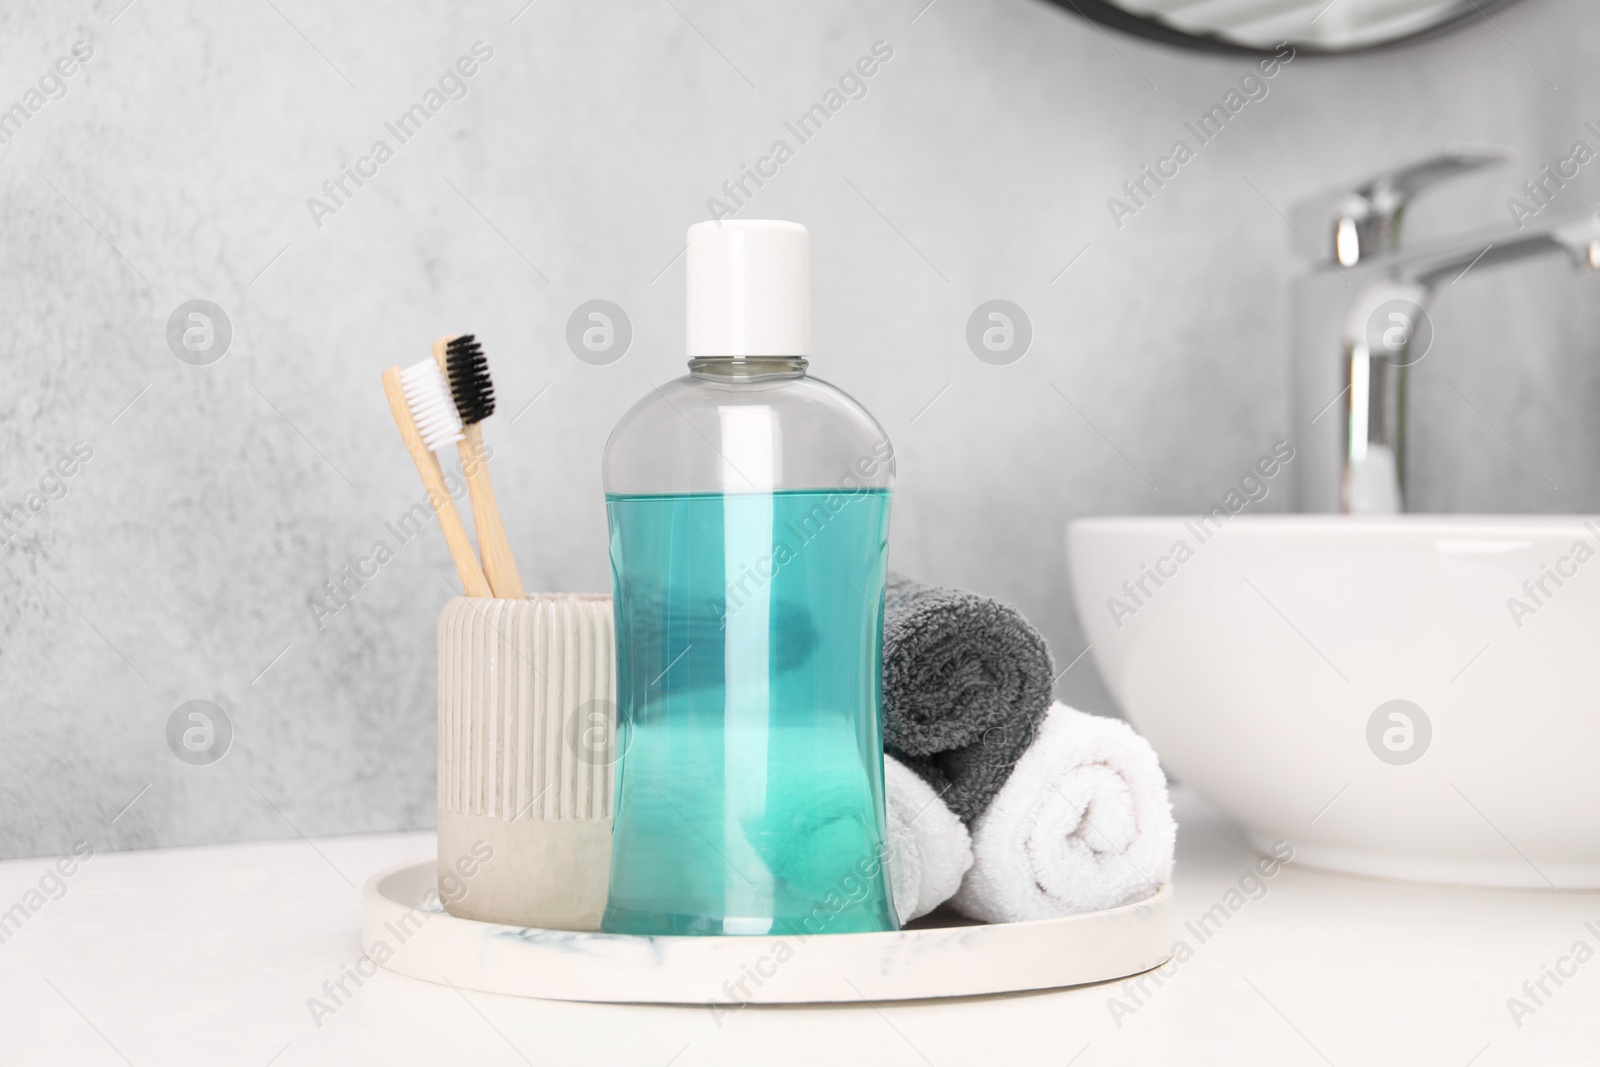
(747, 368)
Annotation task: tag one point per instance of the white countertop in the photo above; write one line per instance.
(209, 955)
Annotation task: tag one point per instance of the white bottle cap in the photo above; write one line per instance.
(749, 291)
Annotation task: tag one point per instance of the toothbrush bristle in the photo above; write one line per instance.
(432, 407)
(469, 379)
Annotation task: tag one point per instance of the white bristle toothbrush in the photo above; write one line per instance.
(425, 412)
(462, 361)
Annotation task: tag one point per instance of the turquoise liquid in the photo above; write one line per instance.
(749, 792)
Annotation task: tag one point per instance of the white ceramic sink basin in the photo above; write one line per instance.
(1261, 654)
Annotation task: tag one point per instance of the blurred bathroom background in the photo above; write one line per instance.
(179, 561)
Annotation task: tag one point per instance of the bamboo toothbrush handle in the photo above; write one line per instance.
(498, 565)
(455, 534)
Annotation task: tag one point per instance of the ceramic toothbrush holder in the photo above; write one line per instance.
(527, 728)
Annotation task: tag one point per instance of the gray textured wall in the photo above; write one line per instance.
(176, 563)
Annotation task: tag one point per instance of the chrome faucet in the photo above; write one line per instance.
(1352, 409)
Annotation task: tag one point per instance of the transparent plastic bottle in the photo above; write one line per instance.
(749, 507)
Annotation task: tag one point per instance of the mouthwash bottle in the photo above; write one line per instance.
(749, 512)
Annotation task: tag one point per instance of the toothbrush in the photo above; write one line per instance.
(462, 361)
(427, 418)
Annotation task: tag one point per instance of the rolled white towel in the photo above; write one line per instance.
(929, 847)
(1083, 823)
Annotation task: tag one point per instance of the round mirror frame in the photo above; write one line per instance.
(1107, 13)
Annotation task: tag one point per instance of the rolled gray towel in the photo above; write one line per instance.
(966, 682)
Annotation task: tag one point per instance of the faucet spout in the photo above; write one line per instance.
(1578, 240)
(1387, 331)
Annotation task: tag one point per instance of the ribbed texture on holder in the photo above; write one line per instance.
(527, 721)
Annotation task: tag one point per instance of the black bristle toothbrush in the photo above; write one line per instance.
(467, 370)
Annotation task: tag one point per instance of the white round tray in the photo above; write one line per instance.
(936, 956)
